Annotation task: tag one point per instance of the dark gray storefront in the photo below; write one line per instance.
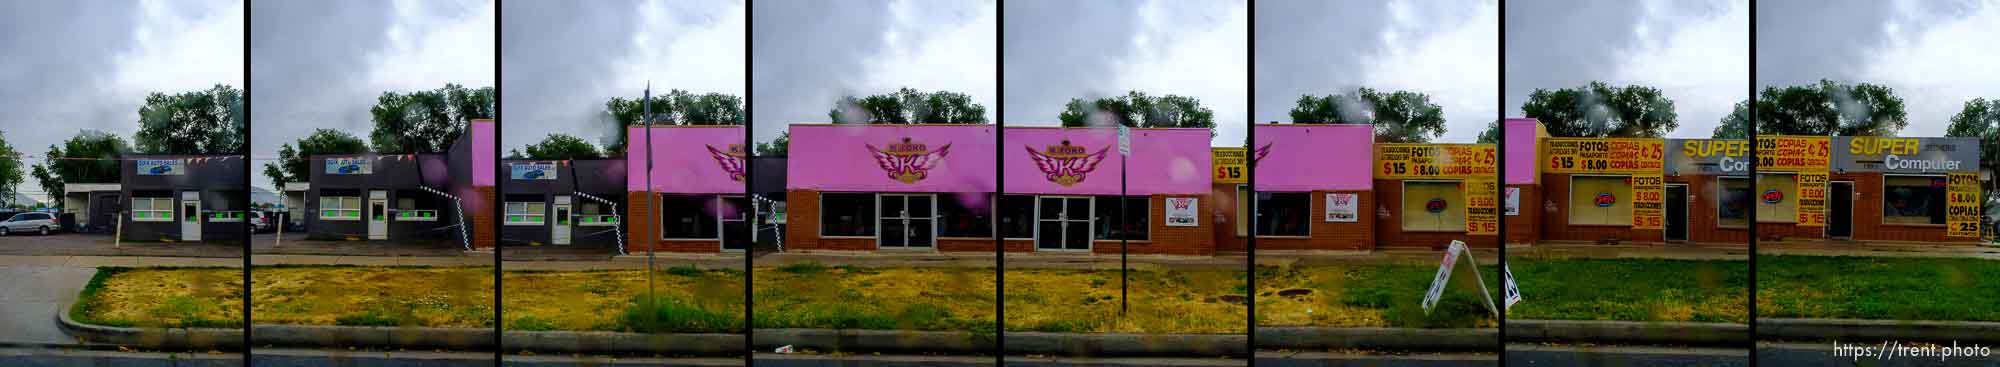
(563, 203)
(184, 198)
(380, 197)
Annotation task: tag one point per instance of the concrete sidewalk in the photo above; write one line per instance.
(1878, 249)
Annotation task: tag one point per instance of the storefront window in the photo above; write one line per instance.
(1243, 210)
(1433, 206)
(1733, 203)
(158, 209)
(965, 215)
(1138, 209)
(1017, 216)
(1777, 198)
(526, 210)
(1913, 199)
(1600, 200)
(1283, 213)
(847, 215)
(335, 207)
(688, 216)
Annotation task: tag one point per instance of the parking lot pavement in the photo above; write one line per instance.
(82, 244)
(31, 297)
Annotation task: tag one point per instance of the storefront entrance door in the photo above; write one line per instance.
(1063, 224)
(907, 221)
(1840, 210)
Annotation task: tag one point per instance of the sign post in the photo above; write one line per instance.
(1124, 225)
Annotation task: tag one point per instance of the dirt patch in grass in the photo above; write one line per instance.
(1161, 301)
(846, 297)
(1878, 288)
(373, 296)
(1373, 295)
(163, 297)
(684, 300)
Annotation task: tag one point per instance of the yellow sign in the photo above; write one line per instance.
(1229, 167)
(1812, 199)
(1648, 198)
(1810, 157)
(1603, 155)
(1794, 153)
(1962, 205)
(1482, 209)
(1419, 161)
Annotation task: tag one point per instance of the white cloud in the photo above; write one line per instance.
(697, 57)
(1702, 62)
(932, 48)
(1938, 68)
(178, 50)
(1197, 52)
(1458, 66)
(427, 50)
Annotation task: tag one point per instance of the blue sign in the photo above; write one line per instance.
(534, 171)
(349, 166)
(162, 167)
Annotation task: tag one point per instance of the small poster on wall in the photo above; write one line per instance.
(1341, 207)
(1513, 201)
(1181, 212)
(533, 170)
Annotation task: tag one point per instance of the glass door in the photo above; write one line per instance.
(907, 221)
(1062, 223)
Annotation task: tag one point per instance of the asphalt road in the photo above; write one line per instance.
(1822, 354)
(1625, 356)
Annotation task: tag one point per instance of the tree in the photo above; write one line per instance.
(677, 107)
(562, 147)
(426, 121)
(1491, 135)
(199, 122)
(11, 170)
(89, 157)
(777, 147)
(1136, 109)
(1830, 108)
(908, 106)
(1736, 125)
(1399, 117)
(1980, 118)
(1600, 110)
(292, 166)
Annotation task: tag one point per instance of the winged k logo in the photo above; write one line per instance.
(1261, 152)
(1066, 164)
(908, 161)
(731, 160)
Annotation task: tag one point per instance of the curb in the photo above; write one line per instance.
(154, 338)
(1904, 330)
(1321, 338)
(1101, 345)
(1629, 332)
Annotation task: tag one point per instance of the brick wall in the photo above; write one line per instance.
(640, 227)
(1221, 212)
(1867, 215)
(1167, 240)
(1555, 218)
(1702, 210)
(1525, 228)
(1389, 194)
(1325, 235)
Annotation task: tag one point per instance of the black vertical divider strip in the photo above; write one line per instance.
(499, 190)
(1500, 168)
(1751, 105)
(1250, 140)
(248, 191)
(999, 186)
(749, 181)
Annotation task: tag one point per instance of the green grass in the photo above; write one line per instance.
(87, 303)
(1373, 295)
(661, 314)
(1878, 288)
(1632, 290)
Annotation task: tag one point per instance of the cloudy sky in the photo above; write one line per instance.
(1695, 52)
(1446, 49)
(321, 64)
(564, 59)
(1935, 54)
(807, 54)
(69, 66)
(1057, 50)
